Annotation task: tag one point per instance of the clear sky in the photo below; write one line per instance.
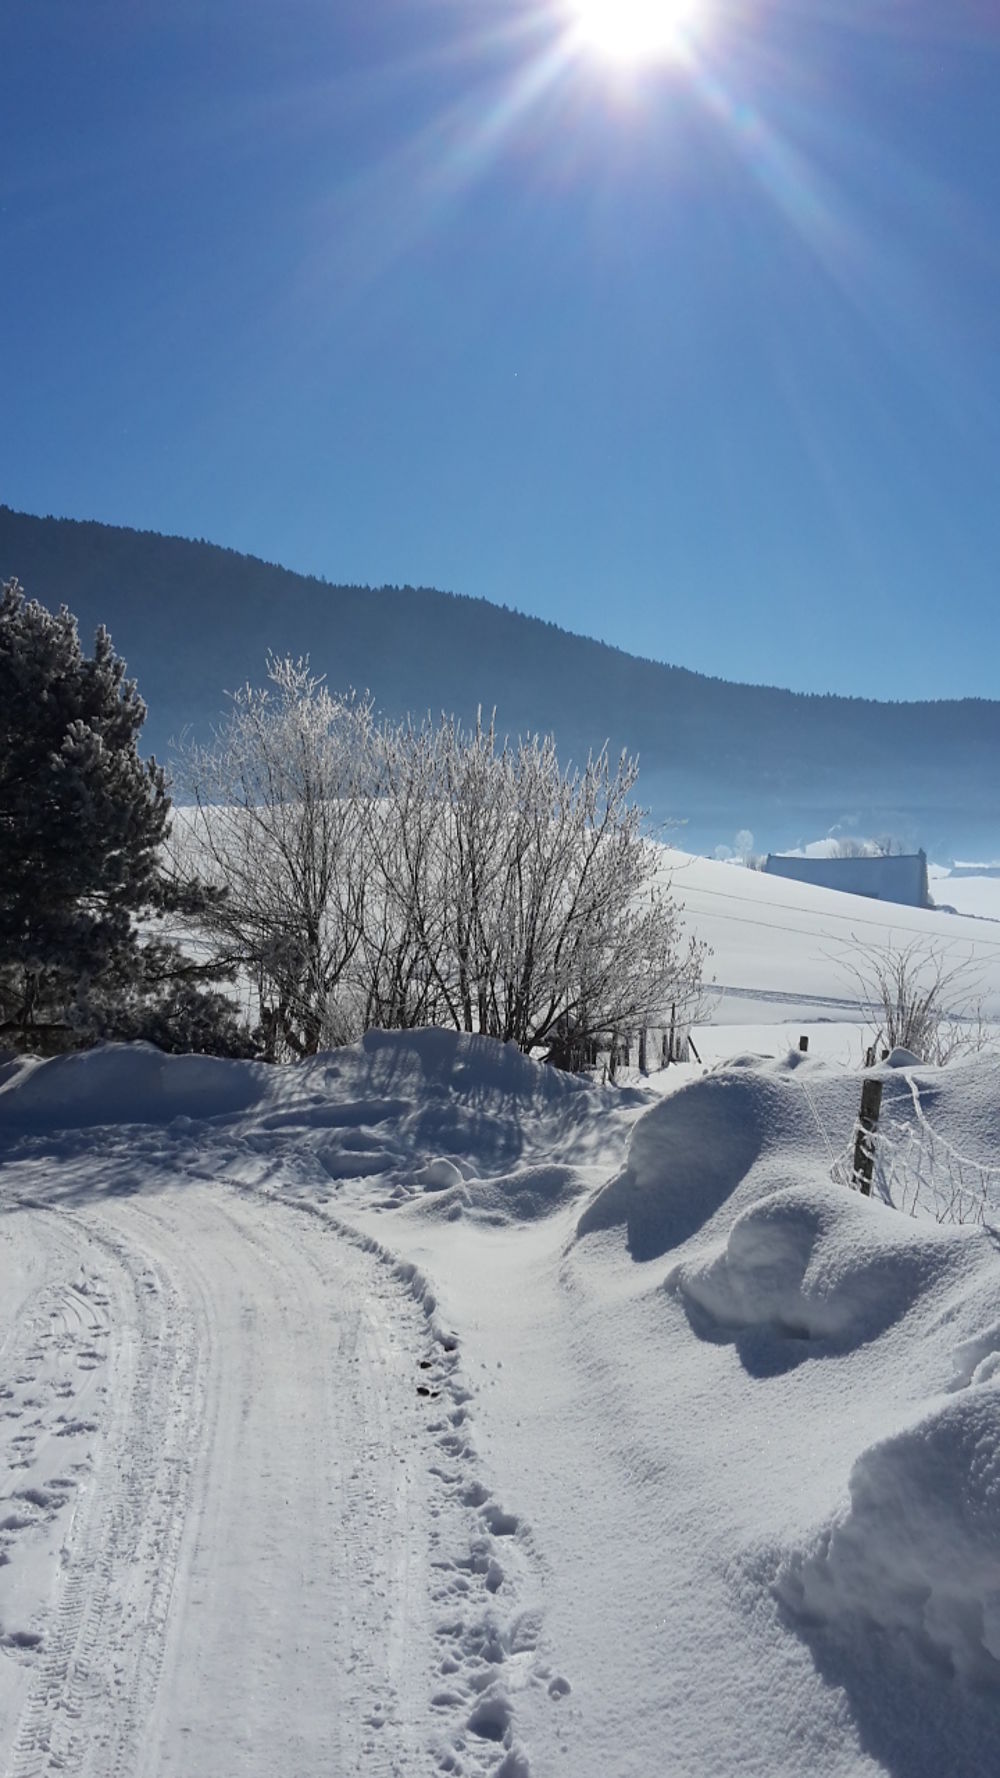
(695, 349)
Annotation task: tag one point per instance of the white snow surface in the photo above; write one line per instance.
(783, 950)
(419, 1409)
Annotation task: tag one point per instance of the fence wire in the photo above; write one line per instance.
(920, 1172)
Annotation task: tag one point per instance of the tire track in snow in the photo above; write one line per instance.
(482, 1557)
(283, 1556)
(93, 1672)
(319, 1519)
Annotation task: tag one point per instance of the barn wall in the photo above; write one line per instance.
(902, 880)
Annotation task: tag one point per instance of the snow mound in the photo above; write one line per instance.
(918, 1551)
(525, 1194)
(813, 1263)
(902, 1058)
(723, 1142)
(454, 1116)
(438, 1175)
(688, 1155)
(126, 1083)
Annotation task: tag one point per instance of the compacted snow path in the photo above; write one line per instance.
(238, 1510)
(302, 1500)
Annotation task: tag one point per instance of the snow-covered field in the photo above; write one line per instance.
(421, 1410)
(783, 951)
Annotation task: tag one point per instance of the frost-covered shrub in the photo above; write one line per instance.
(395, 876)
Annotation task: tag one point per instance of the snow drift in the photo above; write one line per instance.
(465, 1124)
(729, 1181)
(918, 1550)
(814, 1264)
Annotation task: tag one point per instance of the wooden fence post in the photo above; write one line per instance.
(642, 1050)
(864, 1147)
(803, 1043)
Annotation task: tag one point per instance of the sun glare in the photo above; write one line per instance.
(635, 30)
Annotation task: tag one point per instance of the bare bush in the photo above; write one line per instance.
(561, 929)
(410, 875)
(919, 999)
(275, 823)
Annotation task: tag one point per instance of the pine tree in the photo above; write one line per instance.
(82, 822)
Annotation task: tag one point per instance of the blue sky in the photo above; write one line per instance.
(700, 356)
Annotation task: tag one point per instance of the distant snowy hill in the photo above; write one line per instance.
(194, 620)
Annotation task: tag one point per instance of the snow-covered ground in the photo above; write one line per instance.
(421, 1410)
(783, 952)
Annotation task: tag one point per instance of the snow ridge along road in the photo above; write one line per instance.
(242, 1524)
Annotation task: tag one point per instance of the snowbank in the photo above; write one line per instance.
(883, 1330)
(387, 1071)
(918, 1551)
(815, 1263)
(690, 1154)
(125, 1083)
(465, 1125)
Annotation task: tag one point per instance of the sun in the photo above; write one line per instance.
(635, 30)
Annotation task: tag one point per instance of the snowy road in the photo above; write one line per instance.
(301, 1498)
(224, 1515)
(420, 1411)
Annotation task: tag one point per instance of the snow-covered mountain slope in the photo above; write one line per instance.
(421, 1410)
(192, 620)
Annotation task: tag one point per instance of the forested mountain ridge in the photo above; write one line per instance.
(194, 620)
